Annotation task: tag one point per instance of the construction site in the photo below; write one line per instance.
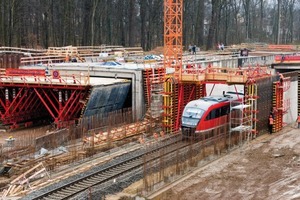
(107, 122)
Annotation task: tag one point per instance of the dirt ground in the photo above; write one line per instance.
(266, 168)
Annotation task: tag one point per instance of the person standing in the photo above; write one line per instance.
(298, 120)
(271, 122)
(190, 49)
(222, 47)
(194, 49)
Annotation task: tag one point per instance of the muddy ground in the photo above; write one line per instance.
(266, 168)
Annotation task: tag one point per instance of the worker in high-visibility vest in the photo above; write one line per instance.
(67, 58)
(280, 77)
(298, 121)
(271, 122)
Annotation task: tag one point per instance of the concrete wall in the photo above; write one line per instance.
(136, 77)
(291, 95)
(52, 140)
(238, 61)
(107, 98)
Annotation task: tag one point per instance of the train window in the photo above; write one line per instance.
(225, 110)
(211, 115)
(218, 112)
(208, 117)
(193, 112)
(191, 116)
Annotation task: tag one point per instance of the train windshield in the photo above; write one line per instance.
(191, 116)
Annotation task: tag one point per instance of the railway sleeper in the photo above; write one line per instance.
(70, 192)
(100, 179)
(120, 171)
(72, 189)
(105, 176)
(82, 185)
(89, 182)
(48, 198)
(99, 176)
(125, 166)
(75, 188)
(56, 196)
(64, 192)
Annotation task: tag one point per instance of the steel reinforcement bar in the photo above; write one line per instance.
(106, 173)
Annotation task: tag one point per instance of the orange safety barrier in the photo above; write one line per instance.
(24, 72)
(282, 46)
(284, 58)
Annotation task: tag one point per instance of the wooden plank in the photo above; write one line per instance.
(33, 175)
(27, 172)
(11, 191)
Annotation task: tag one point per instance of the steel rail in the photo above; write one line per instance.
(72, 188)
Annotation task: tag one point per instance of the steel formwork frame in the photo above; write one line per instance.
(25, 102)
(277, 106)
(251, 98)
(176, 96)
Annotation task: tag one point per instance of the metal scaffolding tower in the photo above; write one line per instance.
(240, 120)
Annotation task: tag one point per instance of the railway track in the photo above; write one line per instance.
(171, 151)
(125, 164)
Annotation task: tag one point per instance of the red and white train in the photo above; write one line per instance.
(205, 114)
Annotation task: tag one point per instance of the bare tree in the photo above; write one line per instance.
(278, 21)
(213, 24)
(40, 23)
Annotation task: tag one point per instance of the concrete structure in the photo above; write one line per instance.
(133, 72)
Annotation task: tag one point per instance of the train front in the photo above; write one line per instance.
(191, 117)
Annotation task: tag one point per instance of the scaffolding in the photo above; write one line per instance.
(251, 99)
(240, 120)
(170, 99)
(280, 105)
(277, 106)
(154, 79)
(156, 92)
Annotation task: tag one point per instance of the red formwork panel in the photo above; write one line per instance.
(287, 59)
(186, 93)
(25, 98)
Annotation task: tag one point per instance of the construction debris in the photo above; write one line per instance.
(118, 133)
(25, 180)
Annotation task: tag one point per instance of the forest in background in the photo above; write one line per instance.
(45, 23)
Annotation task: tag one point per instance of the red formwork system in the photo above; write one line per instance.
(27, 95)
(186, 93)
(280, 105)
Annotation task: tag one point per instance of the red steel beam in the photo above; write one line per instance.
(44, 102)
(26, 103)
(69, 104)
(50, 100)
(12, 104)
(73, 105)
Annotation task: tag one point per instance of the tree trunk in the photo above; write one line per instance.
(200, 23)
(213, 24)
(278, 21)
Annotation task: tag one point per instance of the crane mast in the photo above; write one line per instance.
(173, 14)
